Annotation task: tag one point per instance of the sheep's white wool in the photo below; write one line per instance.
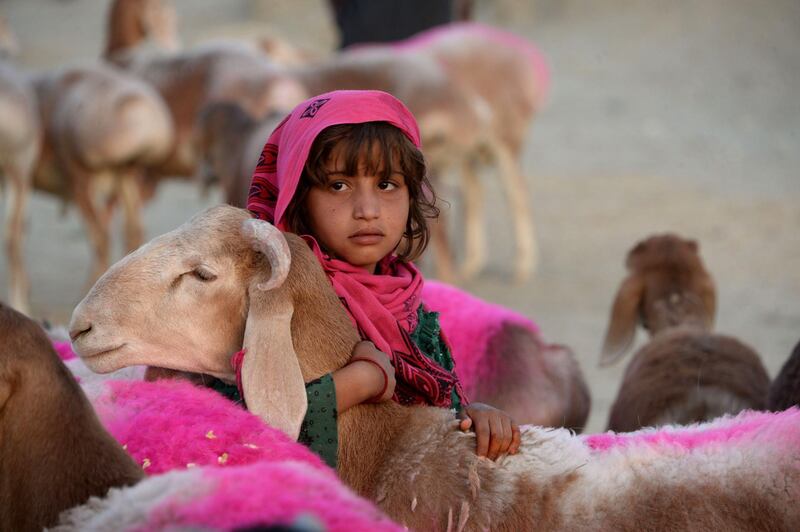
(124, 508)
(93, 384)
(606, 478)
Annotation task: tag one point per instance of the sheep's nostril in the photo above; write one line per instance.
(78, 331)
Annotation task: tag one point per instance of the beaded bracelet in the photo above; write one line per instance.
(378, 396)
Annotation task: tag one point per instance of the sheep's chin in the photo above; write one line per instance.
(107, 360)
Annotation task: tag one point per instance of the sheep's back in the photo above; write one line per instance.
(687, 376)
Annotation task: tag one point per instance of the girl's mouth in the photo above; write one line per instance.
(367, 237)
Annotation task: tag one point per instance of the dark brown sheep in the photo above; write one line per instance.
(686, 373)
(46, 420)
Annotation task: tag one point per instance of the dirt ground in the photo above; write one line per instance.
(664, 116)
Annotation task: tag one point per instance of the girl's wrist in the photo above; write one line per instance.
(371, 379)
(356, 383)
(377, 381)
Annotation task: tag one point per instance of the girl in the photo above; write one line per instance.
(344, 170)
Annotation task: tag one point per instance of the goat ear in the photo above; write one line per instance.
(624, 316)
(271, 378)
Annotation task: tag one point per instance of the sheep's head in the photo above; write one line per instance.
(179, 301)
(667, 286)
(191, 298)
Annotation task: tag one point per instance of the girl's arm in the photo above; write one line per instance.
(368, 377)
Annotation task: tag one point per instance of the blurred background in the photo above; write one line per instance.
(676, 116)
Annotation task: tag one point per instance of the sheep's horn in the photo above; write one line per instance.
(268, 240)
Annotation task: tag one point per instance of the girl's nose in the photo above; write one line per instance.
(366, 205)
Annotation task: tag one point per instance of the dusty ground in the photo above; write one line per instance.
(665, 116)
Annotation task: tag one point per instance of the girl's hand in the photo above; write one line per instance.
(380, 384)
(495, 431)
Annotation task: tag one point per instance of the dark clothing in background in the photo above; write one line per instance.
(368, 21)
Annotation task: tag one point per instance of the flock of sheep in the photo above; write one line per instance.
(203, 114)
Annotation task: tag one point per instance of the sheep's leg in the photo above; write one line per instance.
(16, 201)
(132, 205)
(97, 230)
(518, 198)
(442, 252)
(473, 217)
(445, 271)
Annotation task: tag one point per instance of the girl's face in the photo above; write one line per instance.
(358, 218)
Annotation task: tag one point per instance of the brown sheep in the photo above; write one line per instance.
(685, 373)
(44, 418)
(192, 297)
(785, 389)
(188, 80)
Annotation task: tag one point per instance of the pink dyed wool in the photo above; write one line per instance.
(255, 474)
(64, 350)
(745, 428)
(489, 34)
(172, 424)
(469, 324)
(271, 493)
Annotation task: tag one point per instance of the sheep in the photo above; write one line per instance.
(685, 373)
(230, 141)
(100, 125)
(462, 118)
(62, 469)
(223, 281)
(502, 359)
(476, 56)
(44, 418)
(188, 80)
(20, 141)
(785, 389)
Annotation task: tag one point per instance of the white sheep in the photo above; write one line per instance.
(101, 128)
(192, 297)
(685, 373)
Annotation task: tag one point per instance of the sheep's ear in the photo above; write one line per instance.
(624, 316)
(271, 378)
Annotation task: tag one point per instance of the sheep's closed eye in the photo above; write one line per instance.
(201, 273)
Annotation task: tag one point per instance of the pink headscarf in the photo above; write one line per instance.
(383, 306)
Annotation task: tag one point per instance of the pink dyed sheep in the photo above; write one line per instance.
(213, 465)
(502, 360)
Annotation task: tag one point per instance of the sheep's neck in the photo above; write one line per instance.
(323, 338)
(683, 310)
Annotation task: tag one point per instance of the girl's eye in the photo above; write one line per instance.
(338, 186)
(387, 185)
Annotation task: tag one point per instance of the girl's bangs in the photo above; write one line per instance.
(377, 148)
